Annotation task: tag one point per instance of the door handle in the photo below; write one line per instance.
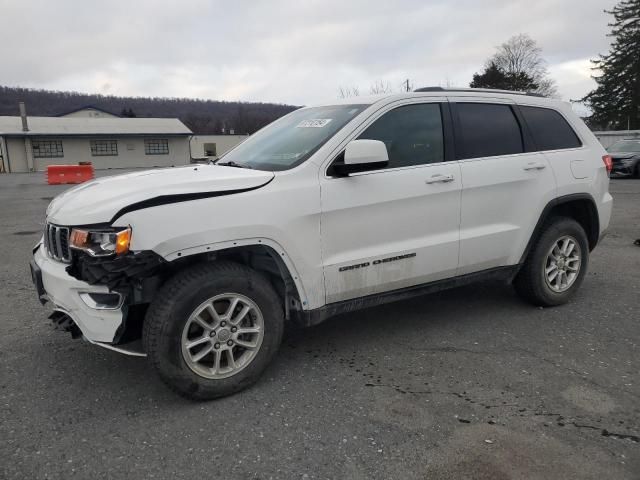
(534, 166)
(439, 178)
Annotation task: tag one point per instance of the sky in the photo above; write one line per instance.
(285, 51)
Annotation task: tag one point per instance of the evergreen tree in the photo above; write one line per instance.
(494, 77)
(127, 113)
(615, 102)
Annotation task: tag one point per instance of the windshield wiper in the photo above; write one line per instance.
(231, 163)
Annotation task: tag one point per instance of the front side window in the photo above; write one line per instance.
(413, 134)
(292, 139)
(47, 148)
(549, 129)
(487, 130)
(156, 146)
(104, 148)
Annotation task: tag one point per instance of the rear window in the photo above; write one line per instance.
(488, 130)
(549, 129)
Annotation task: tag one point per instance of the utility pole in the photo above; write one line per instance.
(406, 82)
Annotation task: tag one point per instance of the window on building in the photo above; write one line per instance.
(104, 148)
(413, 134)
(549, 129)
(47, 148)
(156, 146)
(488, 130)
(210, 149)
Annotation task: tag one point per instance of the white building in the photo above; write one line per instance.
(31, 143)
(608, 138)
(212, 146)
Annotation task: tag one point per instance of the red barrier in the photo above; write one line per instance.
(61, 174)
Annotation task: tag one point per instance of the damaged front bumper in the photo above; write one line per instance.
(65, 293)
(98, 310)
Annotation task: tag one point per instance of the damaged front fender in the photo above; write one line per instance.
(118, 272)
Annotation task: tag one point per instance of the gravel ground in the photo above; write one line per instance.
(468, 383)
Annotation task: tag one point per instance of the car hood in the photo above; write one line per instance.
(103, 200)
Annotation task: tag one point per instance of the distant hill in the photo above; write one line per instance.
(201, 116)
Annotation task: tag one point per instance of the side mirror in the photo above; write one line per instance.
(362, 156)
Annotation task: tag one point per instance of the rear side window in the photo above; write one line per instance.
(413, 134)
(549, 129)
(488, 130)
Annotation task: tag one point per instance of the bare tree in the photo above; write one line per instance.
(447, 83)
(380, 87)
(346, 92)
(406, 86)
(521, 56)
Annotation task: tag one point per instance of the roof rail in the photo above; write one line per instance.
(487, 90)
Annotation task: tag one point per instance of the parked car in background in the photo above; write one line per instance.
(625, 155)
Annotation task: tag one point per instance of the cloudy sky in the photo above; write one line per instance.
(289, 51)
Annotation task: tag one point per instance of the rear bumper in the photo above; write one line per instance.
(621, 172)
(54, 284)
(623, 169)
(604, 211)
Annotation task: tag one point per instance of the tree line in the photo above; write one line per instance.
(201, 116)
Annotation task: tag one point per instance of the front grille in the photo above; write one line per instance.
(56, 242)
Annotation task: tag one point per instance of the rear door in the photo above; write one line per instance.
(396, 227)
(505, 184)
(571, 162)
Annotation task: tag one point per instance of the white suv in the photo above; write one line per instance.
(329, 209)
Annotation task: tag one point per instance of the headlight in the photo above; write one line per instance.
(101, 243)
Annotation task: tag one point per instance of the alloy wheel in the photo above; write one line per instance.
(222, 336)
(562, 264)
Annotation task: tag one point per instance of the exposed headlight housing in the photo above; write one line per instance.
(101, 242)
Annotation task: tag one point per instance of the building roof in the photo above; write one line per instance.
(70, 126)
(87, 107)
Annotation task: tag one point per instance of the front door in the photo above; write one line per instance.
(399, 226)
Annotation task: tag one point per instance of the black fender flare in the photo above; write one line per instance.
(592, 234)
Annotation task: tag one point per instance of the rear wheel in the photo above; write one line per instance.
(213, 329)
(556, 264)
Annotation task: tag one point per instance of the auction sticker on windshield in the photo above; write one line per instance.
(314, 123)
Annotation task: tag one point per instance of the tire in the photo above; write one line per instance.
(532, 282)
(166, 335)
(637, 170)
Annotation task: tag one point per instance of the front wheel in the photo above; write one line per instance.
(556, 264)
(213, 329)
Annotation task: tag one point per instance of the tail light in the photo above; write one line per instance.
(608, 162)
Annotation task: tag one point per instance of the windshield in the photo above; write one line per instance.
(625, 146)
(289, 141)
